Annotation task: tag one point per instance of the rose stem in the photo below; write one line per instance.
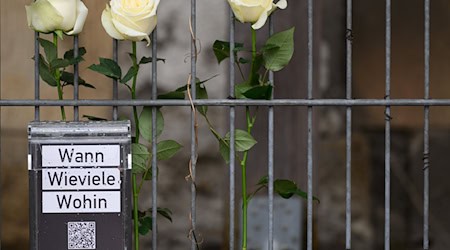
(58, 79)
(250, 123)
(136, 122)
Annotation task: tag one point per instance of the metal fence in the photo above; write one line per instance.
(310, 103)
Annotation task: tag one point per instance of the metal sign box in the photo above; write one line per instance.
(79, 174)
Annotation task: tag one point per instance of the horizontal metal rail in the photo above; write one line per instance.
(229, 102)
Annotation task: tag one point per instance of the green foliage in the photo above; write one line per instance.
(50, 64)
(145, 123)
(69, 55)
(244, 141)
(68, 79)
(50, 50)
(222, 50)
(45, 72)
(177, 95)
(146, 221)
(167, 149)
(284, 188)
(202, 94)
(254, 75)
(224, 149)
(278, 50)
(180, 93)
(140, 157)
(132, 72)
(107, 67)
(145, 60)
(244, 90)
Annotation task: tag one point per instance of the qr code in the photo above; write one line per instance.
(81, 235)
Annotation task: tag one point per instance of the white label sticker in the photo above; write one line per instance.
(81, 202)
(29, 161)
(80, 155)
(81, 179)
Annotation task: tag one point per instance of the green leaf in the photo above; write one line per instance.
(259, 92)
(222, 50)
(164, 212)
(243, 140)
(224, 150)
(244, 60)
(149, 175)
(50, 50)
(197, 84)
(94, 118)
(254, 76)
(145, 123)
(60, 63)
(133, 57)
(145, 60)
(145, 221)
(145, 225)
(108, 68)
(45, 73)
(167, 149)
(264, 180)
(285, 188)
(172, 95)
(140, 157)
(60, 34)
(132, 72)
(69, 55)
(240, 89)
(68, 78)
(202, 94)
(278, 50)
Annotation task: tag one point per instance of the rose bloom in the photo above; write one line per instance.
(130, 20)
(255, 11)
(50, 15)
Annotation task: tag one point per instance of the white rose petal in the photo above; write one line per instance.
(82, 13)
(255, 12)
(51, 15)
(131, 20)
(68, 10)
(261, 21)
(131, 34)
(42, 16)
(109, 26)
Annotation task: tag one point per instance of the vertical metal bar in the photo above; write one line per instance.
(232, 136)
(32, 189)
(154, 147)
(309, 234)
(115, 83)
(270, 149)
(36, 76)
(426, 128)
(348, 132)
(193, 161)
(75, 79)
(0, 130)
(387, 178)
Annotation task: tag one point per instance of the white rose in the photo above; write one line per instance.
(255, 11)
(130, 20)
(50, 15)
